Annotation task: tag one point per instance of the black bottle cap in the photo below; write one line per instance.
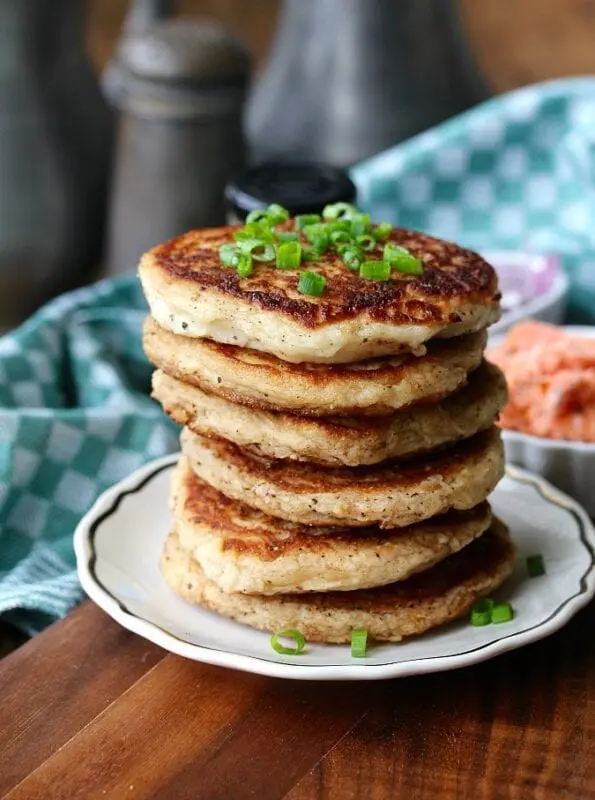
(300, 188)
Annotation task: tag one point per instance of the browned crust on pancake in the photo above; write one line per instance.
(311, 379)
(302, 478)
(248, 531)
(452, 277)
(438, 595)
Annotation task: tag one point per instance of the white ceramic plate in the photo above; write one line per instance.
(570, 466)
(119, 542)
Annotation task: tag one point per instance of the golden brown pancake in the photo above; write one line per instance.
(372, 387)
(338, 441)
(243, 550)
(192, 294)
(441, 594)
(389, 495)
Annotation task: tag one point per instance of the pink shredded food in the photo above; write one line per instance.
(551, 382)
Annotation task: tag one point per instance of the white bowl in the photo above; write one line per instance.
(546, 306)
(568, 465)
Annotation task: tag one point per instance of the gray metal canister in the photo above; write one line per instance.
(181, 95)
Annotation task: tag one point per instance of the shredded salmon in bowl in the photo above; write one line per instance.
(551, 382)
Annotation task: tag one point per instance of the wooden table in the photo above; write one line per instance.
(89, 710)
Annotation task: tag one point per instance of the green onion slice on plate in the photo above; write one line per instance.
(481, 613)
(502, 612)
(535, 566)
(359, 641)
(289, 633)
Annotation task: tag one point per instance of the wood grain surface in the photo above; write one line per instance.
(92, 711)
(514, 41)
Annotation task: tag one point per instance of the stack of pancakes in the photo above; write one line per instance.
(337, 450)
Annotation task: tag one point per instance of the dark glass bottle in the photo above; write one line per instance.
(300, 188)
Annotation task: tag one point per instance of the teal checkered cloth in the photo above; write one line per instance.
(75, 416)
(517, 173)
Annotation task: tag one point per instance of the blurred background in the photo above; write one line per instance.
(515, 42)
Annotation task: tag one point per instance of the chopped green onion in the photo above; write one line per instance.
(311, 283)
(289, 255)
(277, 214)
(341, 237)
(382, 231)
(229, 254)
(535, 566)
(258, 215)
(402, 260)
(366, 242)
(375, 270)
(256, 230)
(303, 220)
(502, 612)
(287, 236)
(311, 254)
(481, 613)
(359, 640)
(244, 265)
(290, 633)
(338, 211)
(481, 618)
(352, 258)
(485, 604)
(317, 235)
(259, 250)
(339, 225)
(360, 224)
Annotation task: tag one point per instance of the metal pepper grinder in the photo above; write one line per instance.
(181, 94)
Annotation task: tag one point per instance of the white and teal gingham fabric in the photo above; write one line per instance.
(75, 416)
(517, 172)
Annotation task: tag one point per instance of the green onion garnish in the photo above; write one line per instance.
(502, 612)
(341, 237)
(375, 270)
(287, 236)
(311, 283)
(244, 265)
(311, 254)
(535, 566)
(317, 235)
(259, 250)
(402, 260)
(303, 220)
(258, 215)
(277, 214)
(289, 255)
(382, 231)
(366, 242)
(360, 224)
(359, 640)
(481, 613)
(352, 258)
(229, 255)
(339, 211)
(290, 633)
(257, 230)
